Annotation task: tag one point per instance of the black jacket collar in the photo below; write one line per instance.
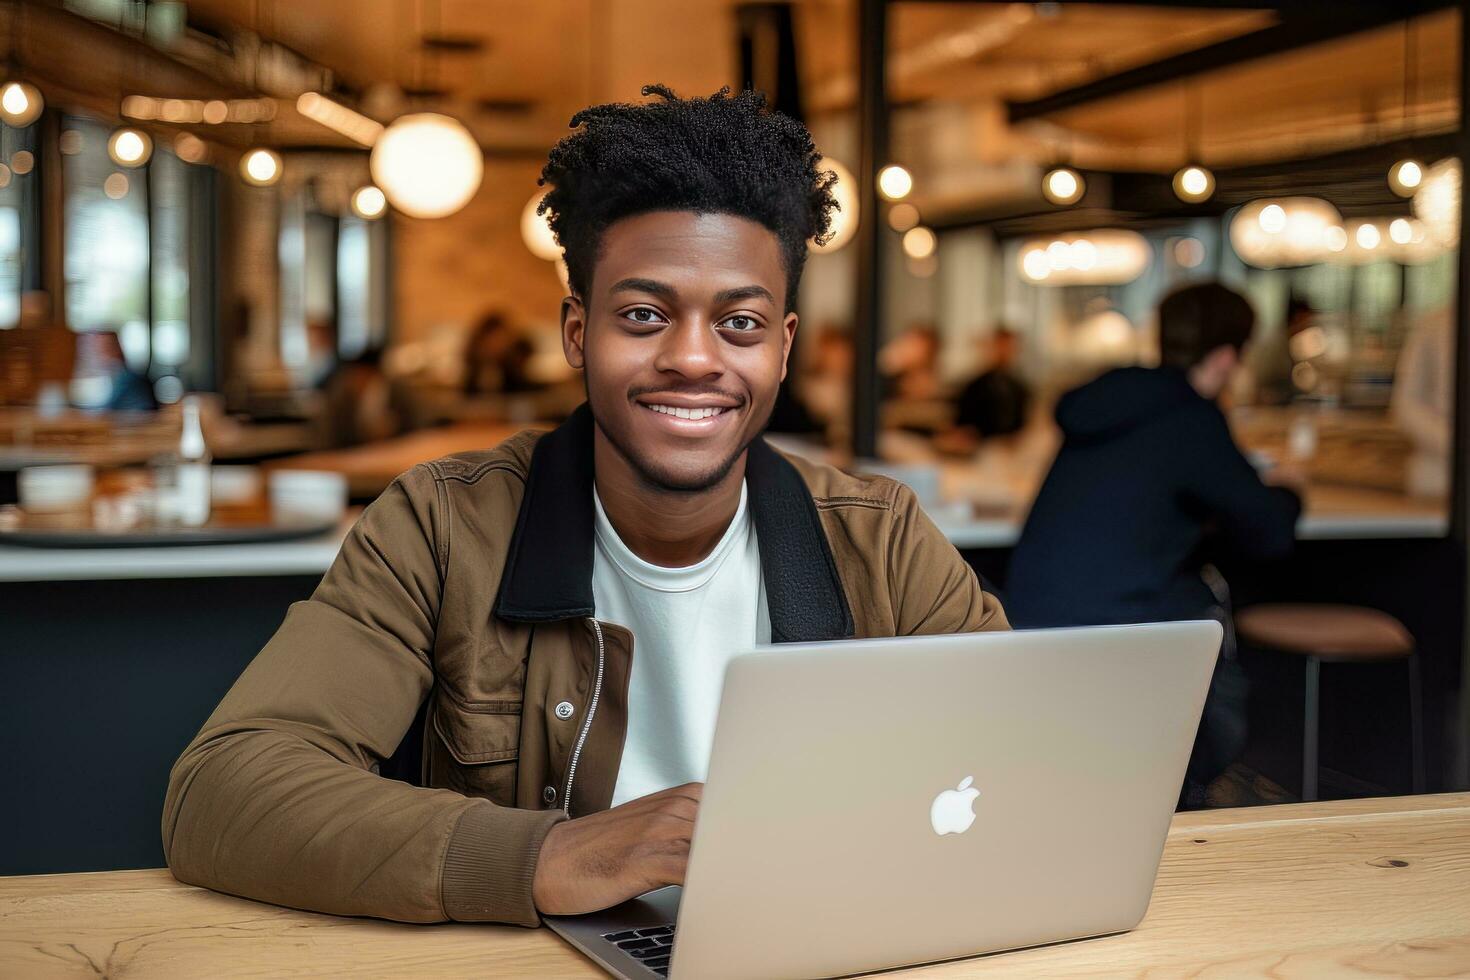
(548, 570)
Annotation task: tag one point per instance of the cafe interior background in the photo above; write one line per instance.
(299, 240)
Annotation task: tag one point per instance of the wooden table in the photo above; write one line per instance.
(1360, 888)
(370, 468)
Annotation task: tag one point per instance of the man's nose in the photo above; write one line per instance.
(690, 349)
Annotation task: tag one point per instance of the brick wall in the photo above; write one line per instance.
(450, 270)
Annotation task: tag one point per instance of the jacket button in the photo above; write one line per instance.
(564, 710)
(549, 795)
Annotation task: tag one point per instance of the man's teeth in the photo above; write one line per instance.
(687, 413)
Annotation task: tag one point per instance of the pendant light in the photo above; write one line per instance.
(1063, 185)
(1279, 232)
(260, 166)
(536, 230)
(845, 218)
(1405, 176)
(895, 182)
(428, 164)
(129, 147)
(1193, 182)
(1102, 256)
(369, 202)
(20, 102)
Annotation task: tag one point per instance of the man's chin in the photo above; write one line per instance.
(693, 476)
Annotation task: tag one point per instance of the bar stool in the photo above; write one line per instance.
(1336, 634)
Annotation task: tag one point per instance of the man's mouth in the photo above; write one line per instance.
(680, 412)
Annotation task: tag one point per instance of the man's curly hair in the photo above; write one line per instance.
(727, 154)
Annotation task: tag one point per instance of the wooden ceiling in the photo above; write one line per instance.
(1002, 51)
(515, 71)
(1327, 97)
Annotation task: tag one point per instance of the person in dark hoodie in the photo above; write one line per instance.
(1147, 474)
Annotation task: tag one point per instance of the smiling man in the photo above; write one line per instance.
(541, 629)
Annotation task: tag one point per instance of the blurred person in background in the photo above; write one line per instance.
(914, 393)
(1147, 473)
(321, 351)
(118, 388)
(497, 358)
(1276, 355)
(994, 403)
(910, 364)
(824, 381)
(359, 404)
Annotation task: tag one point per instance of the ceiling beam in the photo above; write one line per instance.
(1299, 28)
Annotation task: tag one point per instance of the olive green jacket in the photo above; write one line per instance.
(456, 628)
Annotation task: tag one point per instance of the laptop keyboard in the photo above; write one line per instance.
(652, 946)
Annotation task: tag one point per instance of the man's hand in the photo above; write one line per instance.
(597, 861)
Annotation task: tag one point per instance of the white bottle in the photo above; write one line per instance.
(1301, 437)
(192, 485)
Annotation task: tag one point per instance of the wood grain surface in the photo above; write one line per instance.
(1365, 888)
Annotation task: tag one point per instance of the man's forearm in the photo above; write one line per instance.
(270, 816)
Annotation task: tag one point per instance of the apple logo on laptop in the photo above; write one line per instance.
(953, 811)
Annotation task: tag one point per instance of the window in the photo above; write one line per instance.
(169, 224)
(139, 255)
(334, 288)
(308, 261)
(19, 271)
(107, 241)
(362, 286)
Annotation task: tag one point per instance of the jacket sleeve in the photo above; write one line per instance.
(278, 798)
(1260, 521)
(934, 590)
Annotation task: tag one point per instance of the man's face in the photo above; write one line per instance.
(683, 339)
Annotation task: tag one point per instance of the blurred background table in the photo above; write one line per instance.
(371, 467)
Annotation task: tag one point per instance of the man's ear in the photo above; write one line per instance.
(788, 338)
(574, 331)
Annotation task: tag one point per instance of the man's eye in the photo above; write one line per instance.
(740, 323)
(642, 315)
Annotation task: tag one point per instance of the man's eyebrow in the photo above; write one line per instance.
(744, 292)
(653, 286)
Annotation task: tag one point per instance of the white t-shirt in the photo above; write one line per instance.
(687, 623)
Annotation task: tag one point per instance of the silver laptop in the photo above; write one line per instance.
(882, 803)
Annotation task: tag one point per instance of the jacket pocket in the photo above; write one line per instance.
(477, 746)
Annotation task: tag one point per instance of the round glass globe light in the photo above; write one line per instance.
(369, 202)
(129, 147)
(20, 103)
(1193, 184)
(261, 167)
(536, 231)
(845, 218)
(1063, 185)
(1405, 177)
(427, 164)
(894, 182)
